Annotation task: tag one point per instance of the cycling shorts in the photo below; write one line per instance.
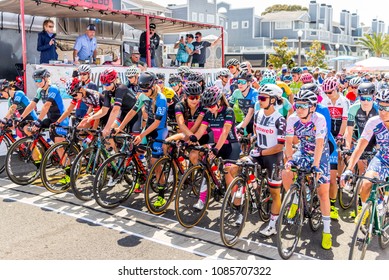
(305, 161)
(379, 166)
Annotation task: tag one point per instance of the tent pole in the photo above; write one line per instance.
(222, 35)
(24, 46)
(148, 54)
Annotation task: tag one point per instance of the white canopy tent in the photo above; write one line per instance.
(374, 63)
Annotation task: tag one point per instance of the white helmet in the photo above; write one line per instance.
(132, 71)
(386, 76)
(84, 68)
(271, 90)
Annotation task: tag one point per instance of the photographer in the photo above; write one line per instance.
(154, 43)
(46, 42)
(185, 48)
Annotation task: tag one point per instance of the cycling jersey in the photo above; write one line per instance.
(122, 97)
(295, 86)
(81, 107)
(283, 109)
(244, 102)
(338, 112)
(156, 110)
(91, 99)
(170, 96)
(184, 110)
(225, 116)
(57, 108)
(226, 89)
(358, 118)
(21, 101)
(270, 129)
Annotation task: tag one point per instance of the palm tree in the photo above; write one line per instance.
(376, 43)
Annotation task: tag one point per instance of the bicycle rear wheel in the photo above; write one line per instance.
(4, 147)
(161, 183)
(188, 194)
(362, 235)
(110, 187)
(346, 198)
(83, 171)
(290, 222)
(264, 200)
(23, 161)
(234, 212)
(384, 235)
(314, 210)
(56, 164)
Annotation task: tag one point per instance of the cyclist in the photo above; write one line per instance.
(338, 106)
(379, 166)
(184, 72)
(296, 82)
(220, 119)
(269, 127)
(307, 78)
(84, 72)
(313, 153)
(233, 66)
(352, 93)
(384, 83)
(132, 74)
(199, 78)
(223, 82)
(169, 94)
(175, 82)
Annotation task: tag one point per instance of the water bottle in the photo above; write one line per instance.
(215, 170)
(65, 59)
(254, 184)
(143, 160)
(380, 206)
(308, 192)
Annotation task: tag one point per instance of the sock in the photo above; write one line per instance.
(332, 201)
(273, 220)
(326, 224)
(203, 190)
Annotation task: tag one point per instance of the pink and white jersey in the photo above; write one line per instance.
(270, 129)
(339, 109)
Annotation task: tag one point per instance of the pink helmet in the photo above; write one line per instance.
(306, 78)
(330, 84)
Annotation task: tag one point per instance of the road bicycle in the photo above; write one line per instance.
(6, 140)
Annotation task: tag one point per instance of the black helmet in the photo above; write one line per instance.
(232, 62)
(296, 70)
(192, 88)
(312, 87)
(245, 75)
(211, 96)
(196, 77)
(40, 73)
(366, 89)
(174, 78)
(4, 84)
(147, 80)
(161, 76)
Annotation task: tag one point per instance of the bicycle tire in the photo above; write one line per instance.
(346, 198)
(315, 211)
(188, 194)
(361, 237)
(110, 188)
(169, 173)
(383, 239)
(6, 144)
(229, 214)
(289, 228)
(357, 203)
(264, 201)
(83, 171)
(21, 168)
(52, 174)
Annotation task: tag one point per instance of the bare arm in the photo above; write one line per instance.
(318, 152)
(66, 113)
(28, 109)
(127, 119)
(11, 111)
(44, 110)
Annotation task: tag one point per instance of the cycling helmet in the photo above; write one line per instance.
(197, 77)
(232, 62)
(4, 84)
(211, 96)
(366, 89)
(312, 87)
(245, 75)
(354, 82)
(182, 70)
(386, 76)
(160, 76)
(73, 86)
(269, 74)
(40, 73)
(265, 81)
(243, 66)
(330, 84)
(223, 72)
(132, 71)
(108, 76)
(84, 68)
(174, 78)
(306, 96)
(296, 70)
(271, 90)
(306, 78)
(192, 88)
(147, 80)
(382, 95)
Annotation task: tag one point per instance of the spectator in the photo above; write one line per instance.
(200, 50)
(85, 46)
(154, 44)
(270, 66)
(185, 49)
(46, 42)
(135, 60)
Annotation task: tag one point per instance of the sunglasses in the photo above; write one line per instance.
(145, 89)
(160, 82)
(173, 84)
(231, 66)
(225, 76)
(242, 82)
(329, 92)
(194, 97)
(38, 80)
(262, 98)
(301, 106)
(107, 84)
(211, 107)
(84, 74)
(383, 108)
(197, 37)
(368, 98)
(50, 26)
(353, 87)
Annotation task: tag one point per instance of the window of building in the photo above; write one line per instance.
(194, 16)
(313, 33)
(245, 24)
(211, 1)
(234, 24)
(201, 17)
(210, 19)
(283, 25)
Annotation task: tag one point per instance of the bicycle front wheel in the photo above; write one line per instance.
(362, 234)
(314, 210)
(161, 185)
(264, 200)
(55, 167)
(5, 144)
(110, 186)
(23, 161)
(290, 222)
(192, 196)
(346, 198)
(234, 212)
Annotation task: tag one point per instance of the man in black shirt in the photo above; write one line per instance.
(154, 43)
(200, 50)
